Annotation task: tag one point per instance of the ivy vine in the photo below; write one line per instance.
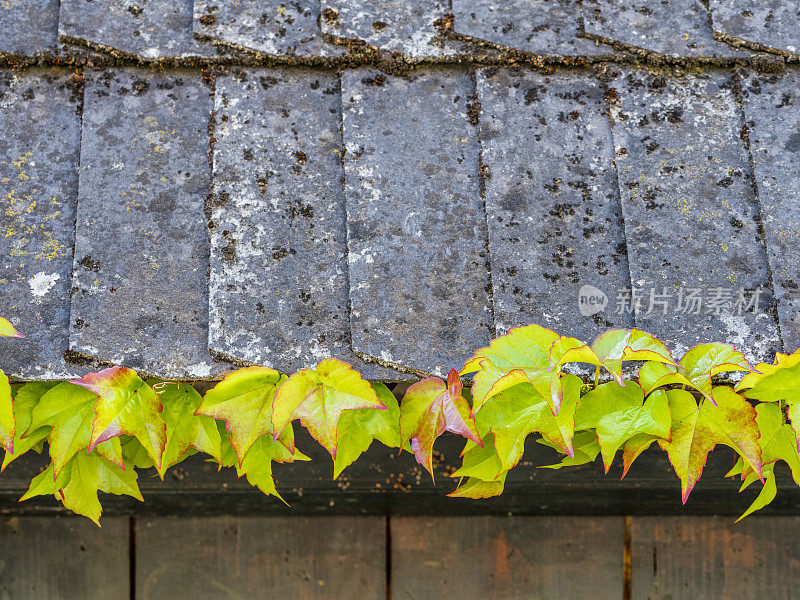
(103, 427)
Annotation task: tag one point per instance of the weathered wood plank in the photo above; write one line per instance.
(63, 559)
(676, 558)
(506, 558)
(381, 482)
(232, 557)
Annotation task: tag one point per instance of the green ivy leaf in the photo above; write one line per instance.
(699, 365)
(765, 496)
(8, 330)
(618, 413)
(635, 446)
(480, 462)
(68, 410)
(618, 345)
(523, 354)
(134, 454)
(696, 430)
(776, 438)
(24, 400)
(429, 408)
(125, 405)
(762, 370)
(585, 449)
(521, 410)
(318, 397)
(7, 421)
(244, 400)
(185, 429)
(257, 464)
(477, 488)
(357, 429)
(79, 482)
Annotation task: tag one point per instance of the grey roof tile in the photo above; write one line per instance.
(549, 27)
(28, 26)
(141, 244)
(674, 27)
(416, 224)
(552, 200)
(396, 25)
(39, 144)
(769, 23)
(691, 217)
(273, 27)
(148, 28)
(278, 292)
(772, 111)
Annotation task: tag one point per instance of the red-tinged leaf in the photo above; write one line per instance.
(185, 429)
(67, 411)
(244, 400)
(618, 345)
(429, 408)
(7, 421)
(696, 430)
(126, 405)
(476, 488)
(25, 399)
(633, 448)
(618, 413)
(318, 398)
(8, 330)
(521, 410)
(524, 349)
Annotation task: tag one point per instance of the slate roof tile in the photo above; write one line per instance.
(279, 289)
(772, 110)
(767, 23)
(416, 224)
(39, 144)
(28, 26)
(141, 244)
(674, 27)
(273, 27)
(691, 216)
(148, 28)
(552, 200)
(548, 27)
(395, 25)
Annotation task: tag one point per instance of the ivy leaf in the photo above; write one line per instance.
(244, 399)
(78, 483)
(257, 464)
(776, 438)
(125, 404)
(477, 488)
(357, 429)
(521, 410)
(565, 350)
(520, 355)
(7, 421)
(618, 345)
(696, 430)
(619, 413)
(318, 397)
(634, 447)
(481, 462)
(765, 496)
(585, 448)
(8, 330)
(429, 408)
(762, 370)
(699, 365)
(185, 429)
(134, 454)
(68, 410)
(24, 400)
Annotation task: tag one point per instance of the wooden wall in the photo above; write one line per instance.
(366, 558)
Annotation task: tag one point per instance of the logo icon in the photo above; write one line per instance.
(591, 300)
